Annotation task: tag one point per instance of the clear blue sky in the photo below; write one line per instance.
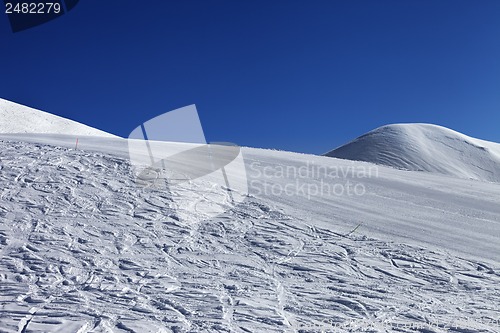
(297, 75)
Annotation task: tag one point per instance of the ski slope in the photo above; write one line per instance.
(84, 249)
(426, 147)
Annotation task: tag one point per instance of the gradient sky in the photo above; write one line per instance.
(303, 76)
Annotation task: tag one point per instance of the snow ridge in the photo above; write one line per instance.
(17, 118)
(426, 147)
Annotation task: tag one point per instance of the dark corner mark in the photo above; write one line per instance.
(26, 14)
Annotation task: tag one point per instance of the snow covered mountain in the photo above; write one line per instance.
(319, 245)
(17, 118)
(426, 147)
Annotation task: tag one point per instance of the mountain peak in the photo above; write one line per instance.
(425, 147)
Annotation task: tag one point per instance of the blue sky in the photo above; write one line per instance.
(303, 76)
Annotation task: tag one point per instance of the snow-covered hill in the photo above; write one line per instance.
(319, 245)
(425, 147)
(17, 118)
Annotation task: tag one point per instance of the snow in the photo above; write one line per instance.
(17, 118)
(84, 249)
(426, 147)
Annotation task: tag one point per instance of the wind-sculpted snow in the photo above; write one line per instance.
(426, 147)
(83, 249)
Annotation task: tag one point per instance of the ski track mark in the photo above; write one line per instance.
(85, 250)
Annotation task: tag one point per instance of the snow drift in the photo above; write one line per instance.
(426, 147)
(17, 118)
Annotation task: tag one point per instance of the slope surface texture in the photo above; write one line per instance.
(83, 249)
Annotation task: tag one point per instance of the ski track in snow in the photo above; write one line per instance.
(85, 250)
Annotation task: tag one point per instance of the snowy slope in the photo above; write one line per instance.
(425, 147)
(84, 249)
(17, 118)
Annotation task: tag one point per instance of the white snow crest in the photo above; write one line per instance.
(16, 119)
(426, 147)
